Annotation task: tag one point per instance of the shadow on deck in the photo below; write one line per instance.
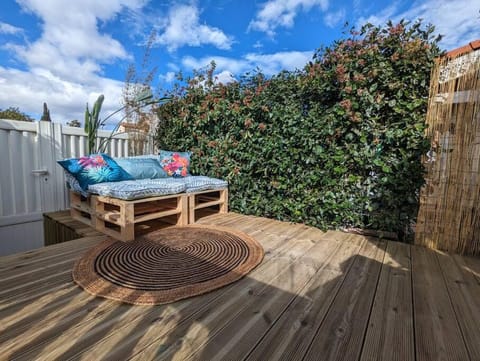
(315, 296)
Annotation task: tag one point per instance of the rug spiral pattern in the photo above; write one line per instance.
(167, 265)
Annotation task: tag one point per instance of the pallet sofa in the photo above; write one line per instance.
(121, 207)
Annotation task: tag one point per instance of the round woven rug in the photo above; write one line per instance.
(167, 265)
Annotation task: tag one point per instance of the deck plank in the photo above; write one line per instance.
(33, 288)
(437, 333)
(390, 333)
(315, 296)
(21, 316)
(464, 293)
(290, 337)
(36, 276)
(471, 265)
(341, 334)
(236, 329)
(15, 265)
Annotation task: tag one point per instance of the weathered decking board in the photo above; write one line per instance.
(315, 296)
(389, 334)
(436, 327)
(466, 293)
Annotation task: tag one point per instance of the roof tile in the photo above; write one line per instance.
(472, 46)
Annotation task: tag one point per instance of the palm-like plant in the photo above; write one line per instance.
(93, 122)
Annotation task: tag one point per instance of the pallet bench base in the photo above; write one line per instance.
(118, 218)
(213, 199)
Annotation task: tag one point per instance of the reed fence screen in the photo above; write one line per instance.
(449, 215)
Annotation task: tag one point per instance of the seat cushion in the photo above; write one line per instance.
(202, 183)
(141, 188)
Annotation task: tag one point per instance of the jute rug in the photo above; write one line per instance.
(167, 265)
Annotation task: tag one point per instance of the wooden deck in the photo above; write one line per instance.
(316, 296)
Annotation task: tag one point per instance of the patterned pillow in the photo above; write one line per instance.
(176, 164)
(142, 167)
(93, 169)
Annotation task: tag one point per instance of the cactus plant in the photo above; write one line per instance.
(93, 123)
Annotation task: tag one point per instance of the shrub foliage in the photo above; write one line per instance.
(336, 144)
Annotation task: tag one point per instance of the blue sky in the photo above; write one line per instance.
(67, 53)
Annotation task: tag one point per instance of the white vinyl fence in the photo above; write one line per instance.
(31, 181)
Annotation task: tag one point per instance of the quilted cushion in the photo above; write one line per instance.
(93, 169)
(135, 189)
(143, 167)
(202, 183)
(175, 164)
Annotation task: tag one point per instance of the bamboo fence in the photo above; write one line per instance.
(449, 215)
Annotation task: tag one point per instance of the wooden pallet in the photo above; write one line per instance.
(80, 208)
(118, 218)
(215, 200)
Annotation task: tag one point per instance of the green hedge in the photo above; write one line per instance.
(337, 144)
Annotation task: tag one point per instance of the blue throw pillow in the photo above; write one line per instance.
(142, 168)
(93, 169)
(175, 164)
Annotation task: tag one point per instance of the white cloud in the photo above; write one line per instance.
(457, 20)
(64, 65)
(70, 44)
(66, 100)
(224, 77)
(281, 13)
(332, 19)
(235, 66)
(168, 77)
(183, 28)
(357, 6)
(9, 29)
(285, 60)
(258, 45)
(389, 13)
(173, 66)
(269, 64)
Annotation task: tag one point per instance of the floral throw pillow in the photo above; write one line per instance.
(93, 169)
(176, 164)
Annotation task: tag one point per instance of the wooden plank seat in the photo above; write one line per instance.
(117, 217)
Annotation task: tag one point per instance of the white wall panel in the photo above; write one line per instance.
(21, 237)
(24, 196)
